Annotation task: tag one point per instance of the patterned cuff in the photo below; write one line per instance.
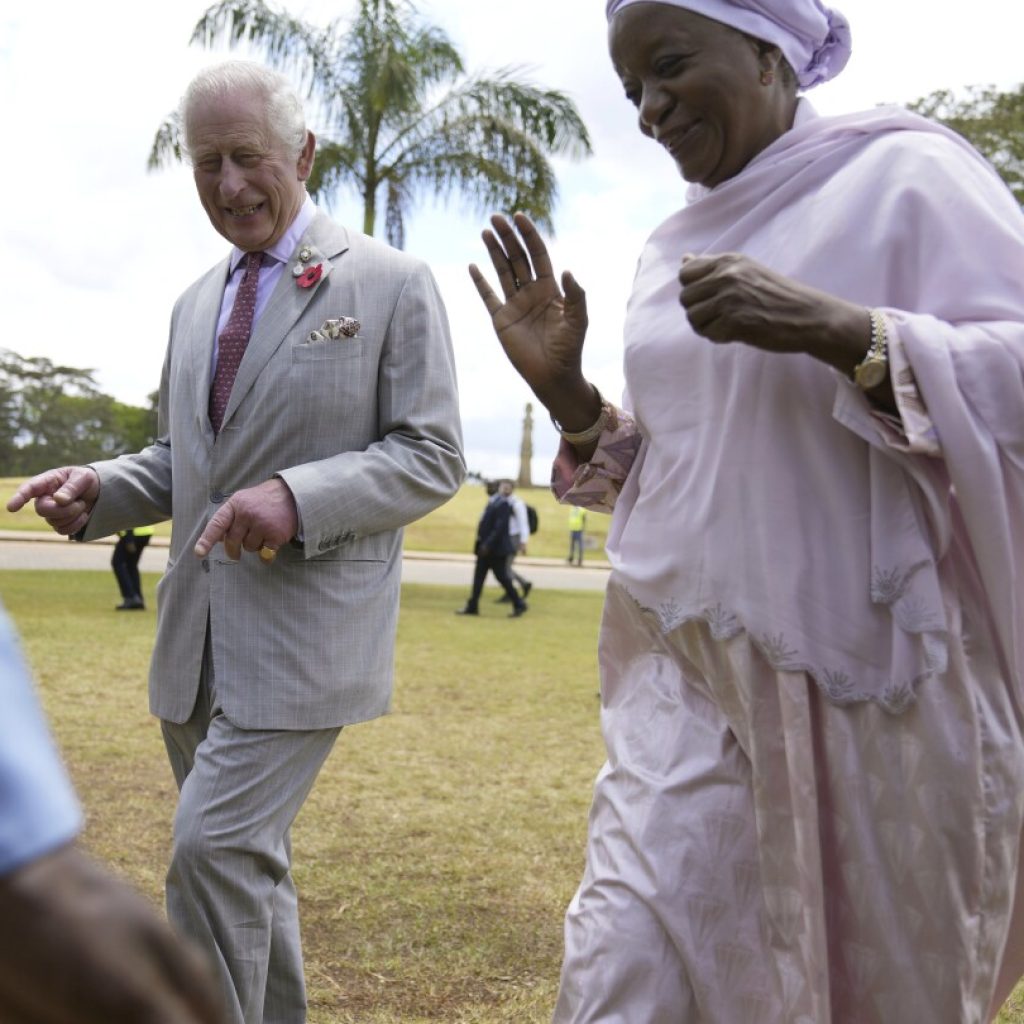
(595, 485)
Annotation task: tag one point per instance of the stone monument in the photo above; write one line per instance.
(526, 450)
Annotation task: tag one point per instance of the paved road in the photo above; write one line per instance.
(48, 551)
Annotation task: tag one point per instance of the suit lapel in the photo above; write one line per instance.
(328, 241)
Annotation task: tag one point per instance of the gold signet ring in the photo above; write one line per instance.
(267, 554)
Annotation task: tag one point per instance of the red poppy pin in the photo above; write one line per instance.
(310, 276)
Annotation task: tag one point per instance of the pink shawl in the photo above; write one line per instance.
(768, 495)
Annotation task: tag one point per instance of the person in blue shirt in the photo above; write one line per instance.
(77, 946)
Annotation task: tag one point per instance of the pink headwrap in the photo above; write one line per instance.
(815, 39)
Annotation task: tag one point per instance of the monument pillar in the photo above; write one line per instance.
(526, 450)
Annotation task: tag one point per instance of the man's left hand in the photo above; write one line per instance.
(258, 518)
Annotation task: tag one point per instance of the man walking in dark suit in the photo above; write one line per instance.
(492, 548)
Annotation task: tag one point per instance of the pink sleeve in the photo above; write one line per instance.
(595, 485)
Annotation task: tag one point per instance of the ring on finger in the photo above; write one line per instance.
(267, 553)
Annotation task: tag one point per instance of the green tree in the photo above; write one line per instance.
(134, 425)
(992, 121)
(400, 116)
(53, 415)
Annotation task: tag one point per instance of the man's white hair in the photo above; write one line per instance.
(283, 107)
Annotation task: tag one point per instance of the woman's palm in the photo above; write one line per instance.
(542, 333)
(540, 328)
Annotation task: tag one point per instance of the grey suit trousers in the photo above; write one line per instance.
(229, 886)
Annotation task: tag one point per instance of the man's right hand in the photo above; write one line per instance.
(63, 497)
(77, 946)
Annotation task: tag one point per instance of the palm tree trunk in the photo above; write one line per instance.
(369, 209)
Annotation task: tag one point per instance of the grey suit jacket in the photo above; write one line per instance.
(365, 432)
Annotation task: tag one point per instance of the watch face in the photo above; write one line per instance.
(870, 373)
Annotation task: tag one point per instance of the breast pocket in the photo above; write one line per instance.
(332, 395)
(328, 351)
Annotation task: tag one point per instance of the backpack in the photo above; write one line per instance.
(532, 518)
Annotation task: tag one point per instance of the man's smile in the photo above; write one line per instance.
(244, 211)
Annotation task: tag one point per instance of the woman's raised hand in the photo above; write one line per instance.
(540, 326)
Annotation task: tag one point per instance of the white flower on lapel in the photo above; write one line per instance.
(333, 330)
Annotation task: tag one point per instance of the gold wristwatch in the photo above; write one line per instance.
(872, 369)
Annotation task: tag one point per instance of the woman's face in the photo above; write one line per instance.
(696, 84)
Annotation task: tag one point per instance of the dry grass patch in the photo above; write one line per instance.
(441, 843)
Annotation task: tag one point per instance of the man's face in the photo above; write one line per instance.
(250, 185)
(504, 488)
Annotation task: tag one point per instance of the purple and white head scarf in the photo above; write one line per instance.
(815, 39)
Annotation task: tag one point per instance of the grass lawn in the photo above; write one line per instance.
(441, 843)
(450, 528)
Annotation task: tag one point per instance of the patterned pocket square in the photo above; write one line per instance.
(332, 330)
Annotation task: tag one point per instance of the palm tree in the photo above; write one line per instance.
(400, 117)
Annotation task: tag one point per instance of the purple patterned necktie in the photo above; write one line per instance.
(233, 339)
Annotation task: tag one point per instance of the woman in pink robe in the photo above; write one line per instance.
(811, 651)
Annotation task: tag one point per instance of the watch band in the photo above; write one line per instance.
(871, 371)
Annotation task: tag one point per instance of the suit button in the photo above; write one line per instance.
(217, 497)
(206, 565)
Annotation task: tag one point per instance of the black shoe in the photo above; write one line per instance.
(504, 599)
(468, 610)
(527, 587)
(131, 604)
(517, 611)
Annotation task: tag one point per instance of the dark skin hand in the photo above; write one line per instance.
(77, 946)
(730, 297)
(540, 325)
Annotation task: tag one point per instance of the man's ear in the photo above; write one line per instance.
(305, 161)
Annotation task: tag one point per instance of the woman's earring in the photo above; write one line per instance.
(767, 77)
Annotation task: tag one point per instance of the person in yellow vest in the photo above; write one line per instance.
(125, 563)
(577, 522)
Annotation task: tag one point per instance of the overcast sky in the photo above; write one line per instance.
(94, 249)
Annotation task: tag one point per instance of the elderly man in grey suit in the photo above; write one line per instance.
(308, 412)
